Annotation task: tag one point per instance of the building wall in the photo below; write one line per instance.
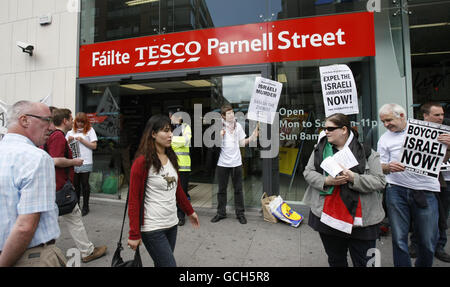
(52, 68)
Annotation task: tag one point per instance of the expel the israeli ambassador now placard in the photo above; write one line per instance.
(422, 153)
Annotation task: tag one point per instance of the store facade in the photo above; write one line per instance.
(139, 58)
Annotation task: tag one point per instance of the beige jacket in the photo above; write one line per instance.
(369, 185)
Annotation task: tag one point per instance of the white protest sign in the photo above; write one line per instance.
(344, 157)
(75, 147)
(264, 101)
(338, 90)
(422, 153)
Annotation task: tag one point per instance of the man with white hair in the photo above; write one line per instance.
(410, 197)
(28, 212)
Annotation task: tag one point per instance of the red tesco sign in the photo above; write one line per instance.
(337, 36)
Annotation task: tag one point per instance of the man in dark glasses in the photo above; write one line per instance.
(28, 213)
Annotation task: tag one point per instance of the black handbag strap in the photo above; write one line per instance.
(125, 213)
(124, 216)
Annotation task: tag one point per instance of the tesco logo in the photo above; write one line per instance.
(183, 52)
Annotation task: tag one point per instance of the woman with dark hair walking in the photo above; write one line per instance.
(346, 210)
(155, 191)
(85, 135)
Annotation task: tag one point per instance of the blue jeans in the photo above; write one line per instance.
(403, 211)
(444, 196)
(445, 200)
(160, 244)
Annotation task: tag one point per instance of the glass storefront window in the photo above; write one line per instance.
(101, 103)
(302, 114)
(429, 31)
(119, 113)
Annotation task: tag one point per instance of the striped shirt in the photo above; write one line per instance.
(27, 185)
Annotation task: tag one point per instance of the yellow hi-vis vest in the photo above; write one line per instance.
(180, 145)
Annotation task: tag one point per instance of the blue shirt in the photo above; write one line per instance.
(27, 185)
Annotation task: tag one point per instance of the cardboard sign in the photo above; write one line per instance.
(338, 90)
(310, 38)
(264, 101)
(422, 153)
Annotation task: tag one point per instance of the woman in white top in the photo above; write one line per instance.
(83, 140)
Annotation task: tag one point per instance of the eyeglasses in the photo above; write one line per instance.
(330, 129)
(46, 119)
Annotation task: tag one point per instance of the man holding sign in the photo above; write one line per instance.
(434, 113)
(410, 197)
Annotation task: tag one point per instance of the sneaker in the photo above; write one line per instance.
(97, 253)
(217, 218)
(242, 219)
(442, 255)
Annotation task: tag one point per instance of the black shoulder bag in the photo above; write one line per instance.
(117, 260)
(66, 198)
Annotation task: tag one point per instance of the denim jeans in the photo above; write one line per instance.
(444, 196)
(160, 244)
(445, 200)
(403, 211)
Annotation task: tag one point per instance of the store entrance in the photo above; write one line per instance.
(138, 101)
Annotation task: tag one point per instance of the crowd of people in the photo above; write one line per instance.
(347, 209)
(36, 160)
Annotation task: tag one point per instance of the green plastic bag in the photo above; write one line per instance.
(110, 184)
(95, 181)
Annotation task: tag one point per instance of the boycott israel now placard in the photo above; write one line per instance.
(338, 90)
(422, 153)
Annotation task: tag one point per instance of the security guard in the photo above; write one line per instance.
(181, 140)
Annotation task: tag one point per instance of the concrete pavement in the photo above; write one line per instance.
(226, 243)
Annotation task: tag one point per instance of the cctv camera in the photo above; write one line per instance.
(26, 48)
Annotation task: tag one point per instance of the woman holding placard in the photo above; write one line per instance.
(346, 210)
(83, 135)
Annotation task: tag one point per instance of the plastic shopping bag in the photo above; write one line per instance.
(283, 212)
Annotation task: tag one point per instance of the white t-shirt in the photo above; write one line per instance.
(160, 204)
(390, 147)
(85, 152)
(230, 153)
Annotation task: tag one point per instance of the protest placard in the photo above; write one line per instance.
(338, 90)
(422, 153)
(75, 147)
(264, 101)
